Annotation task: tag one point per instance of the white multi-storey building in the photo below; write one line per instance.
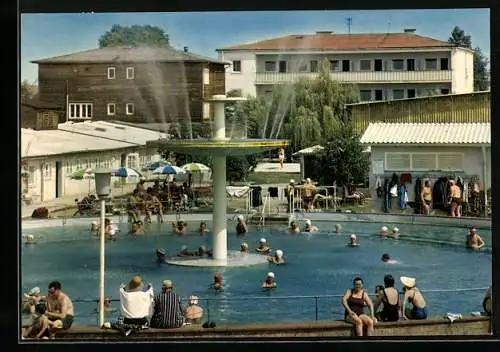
(383, 66)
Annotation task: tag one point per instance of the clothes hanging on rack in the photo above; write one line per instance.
(405, 178)
(378, 187)
(387, 195)
(440, 193)
(402, 196)
(418, 189)
(256, 196)
(273, 192)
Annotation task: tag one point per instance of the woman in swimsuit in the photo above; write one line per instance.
(415, 297)
(359, 308)
(389, 298)
(426, 197)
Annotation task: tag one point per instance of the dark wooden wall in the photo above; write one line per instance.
(161, 92)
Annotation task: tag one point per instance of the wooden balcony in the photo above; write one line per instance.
(433, 76)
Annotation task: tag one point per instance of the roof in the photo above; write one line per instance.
(128, 54)
(427, 133)
(311, 150)
(360, 41)
(36, 103)
(72, 137)
(112, 131)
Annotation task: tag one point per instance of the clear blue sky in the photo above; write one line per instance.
(47, 35)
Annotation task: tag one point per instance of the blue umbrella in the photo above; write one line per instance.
(154, 165)
(169, 170)
(126, 172)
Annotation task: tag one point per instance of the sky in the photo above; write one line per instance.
(48, 35)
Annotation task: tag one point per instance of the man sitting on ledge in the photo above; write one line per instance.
(168, 311)
(136, 304)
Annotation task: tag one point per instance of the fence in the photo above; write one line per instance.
(270, 308)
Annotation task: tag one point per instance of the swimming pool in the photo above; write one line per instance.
(318, 264)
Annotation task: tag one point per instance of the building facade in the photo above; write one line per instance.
(383, 66)
(136, 84)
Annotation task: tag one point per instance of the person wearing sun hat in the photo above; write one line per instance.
(31, 299)
(136, 305)
(167, 312)
(193, 312)
(413, 296)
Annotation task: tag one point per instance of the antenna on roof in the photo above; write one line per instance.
(389, 25)
(348, 21)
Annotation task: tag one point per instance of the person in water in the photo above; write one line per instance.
(385, 257)
(136, 228)
(270, 281)
(338, 228)
(262, 247)
(30, 239)
(294, 228)
(395, 232)
(389, 299)
(277, 258)
(241, 226)
(109, 229)
(473, 240)
(203, 228)
(384, 231)
(180, 227)
(217, 284)
(185, 253)
(94, 227)
(310, 227)
(353, 241)
(244, 247)
(161, 255)
(412, 295)
(359, 308)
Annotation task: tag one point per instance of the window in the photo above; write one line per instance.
(206, 111)
(444, 64)
(314, 66)
(133, 160)
(111, 109)
(365, 95)
(31, 175)
(423, 161)
(397, 65)
(282, 66)
(450, 161)
(130, 108)
(431, 64)
(378, 64)
(47, 172)
(302, 67)
(445, 91)
(130, 73)
(80, 111)
(111, 73)
(334, 65)
(397, 161)
(365, 65)
(411, 93)
(236, 66)
(398, 94)
(270, 66)
(379, 94)
(346, 65)
(410, 64)
(206, 76)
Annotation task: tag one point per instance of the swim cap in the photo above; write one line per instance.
(270, 274)
(308, 222)
(94, 223)
(262, 240)
(279, 253)
(244, 245)
(384, 228)
(385, 257)
(240, 217)
(353, 236)
(395, 229)
(183, 248)
(30, 237)
(292, 181)
(112, 232)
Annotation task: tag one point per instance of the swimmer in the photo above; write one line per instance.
(395, 232)
(30, 239)
(241, 226)
(217, 284)
(203, 228)
(473, 240)
(338, 228)
(202, 250)
(180, 227)
(310, 227)
(136, 228)
(161, 255)
(384, 231)
(277, 258)
(185, 253)
(244, 247)
(353, 241)
(263, 247)
(385, 257)
(294, 228)
(269, 282)
(94, 227)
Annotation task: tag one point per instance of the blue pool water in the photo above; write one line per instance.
(317, 264)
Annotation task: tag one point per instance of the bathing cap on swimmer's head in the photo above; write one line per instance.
(395, 230)
(279, 253)
(240, 217)
(385, 257)
(384, 229)
(244, 245)
(308, 222)
(94, 223)
(270, 274)
(353, 236)
(262, 240)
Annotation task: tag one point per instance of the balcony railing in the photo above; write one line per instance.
(360, 76)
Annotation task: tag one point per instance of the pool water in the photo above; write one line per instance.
(316, 264)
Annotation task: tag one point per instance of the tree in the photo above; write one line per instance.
(27, 90)
(134, 36)
(481, 79)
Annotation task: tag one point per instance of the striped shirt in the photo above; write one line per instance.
(167, 310)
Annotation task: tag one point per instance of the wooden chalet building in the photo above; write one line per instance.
(135, 84)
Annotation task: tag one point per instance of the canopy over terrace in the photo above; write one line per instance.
(307, 151)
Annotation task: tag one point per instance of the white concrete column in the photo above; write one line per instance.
(219, 239)
(219, 121)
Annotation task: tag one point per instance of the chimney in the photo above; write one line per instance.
(186, 49)
(324, 32)
(410, 30)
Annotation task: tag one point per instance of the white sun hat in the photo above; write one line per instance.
(408, 281)
(308, 222)
(384, 228)
(270, 274)
(279, 253)
(262, 240)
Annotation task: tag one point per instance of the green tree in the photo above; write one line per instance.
(27, 90)
(481, 79)
(134, 36)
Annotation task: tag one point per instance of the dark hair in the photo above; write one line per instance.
(55, 285)
(149, 190)
(357, 278)
(40, 308)
(379, 288)
(385, 257)
(388, 280)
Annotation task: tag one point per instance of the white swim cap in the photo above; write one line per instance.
(270, 274)
(30, 237)
(338, 226)
(395, 229)
(292, 181)
(241, 217)
(279, 253)
(244, 244)
(94, 223)
(383, 228)
(184, 247)
(308, 222)
(262, 240)
(112, 232)
(353, 236)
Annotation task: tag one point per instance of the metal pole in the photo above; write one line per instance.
(101, 262)
(316, 301)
